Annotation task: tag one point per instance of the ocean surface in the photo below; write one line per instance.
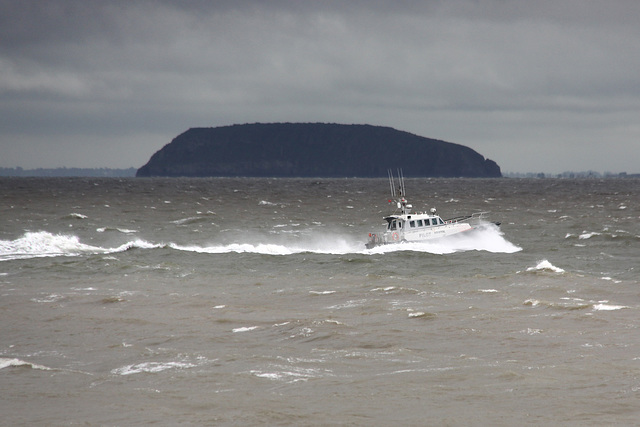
(253, 302)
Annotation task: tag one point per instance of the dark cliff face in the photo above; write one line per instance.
(313, 150)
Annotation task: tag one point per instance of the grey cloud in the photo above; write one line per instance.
(491, 74)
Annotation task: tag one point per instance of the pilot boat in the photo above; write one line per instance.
(407, 226)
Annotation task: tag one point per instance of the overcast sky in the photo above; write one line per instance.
(537, 86)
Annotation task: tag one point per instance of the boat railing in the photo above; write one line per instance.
(478, 216)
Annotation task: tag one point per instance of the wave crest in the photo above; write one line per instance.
(44, 244)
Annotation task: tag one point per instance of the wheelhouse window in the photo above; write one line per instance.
(419, 223)
(412, 224)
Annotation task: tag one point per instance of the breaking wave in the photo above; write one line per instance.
(13, 362)
(44, 244)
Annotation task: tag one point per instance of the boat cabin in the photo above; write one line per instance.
(397, 223)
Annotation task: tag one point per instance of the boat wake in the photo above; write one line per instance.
(330, 245)
(487, 238)
(44, 244)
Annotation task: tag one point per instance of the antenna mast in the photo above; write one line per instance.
(391, 183)
(401, 179)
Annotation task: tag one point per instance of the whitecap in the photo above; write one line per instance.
(8, 362)
(126, 230)
(289, 374)
(140, 244)
(385, 289)
(48, 299)
(608, 307)
(120, 230)
(77, 216)
(269, 375)
(348, 304)
(545, 265)
(587, 235)
(150, 367)
(244, 329)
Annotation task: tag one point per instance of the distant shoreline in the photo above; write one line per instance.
(131, 173)
(68, 172)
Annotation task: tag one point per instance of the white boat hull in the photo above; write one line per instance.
(418, 235)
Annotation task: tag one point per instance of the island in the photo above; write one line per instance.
(312, 150)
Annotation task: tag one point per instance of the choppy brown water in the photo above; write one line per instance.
(253, 302)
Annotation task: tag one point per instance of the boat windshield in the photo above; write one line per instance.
(394, 225)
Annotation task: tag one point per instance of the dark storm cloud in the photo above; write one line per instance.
(533, 85)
